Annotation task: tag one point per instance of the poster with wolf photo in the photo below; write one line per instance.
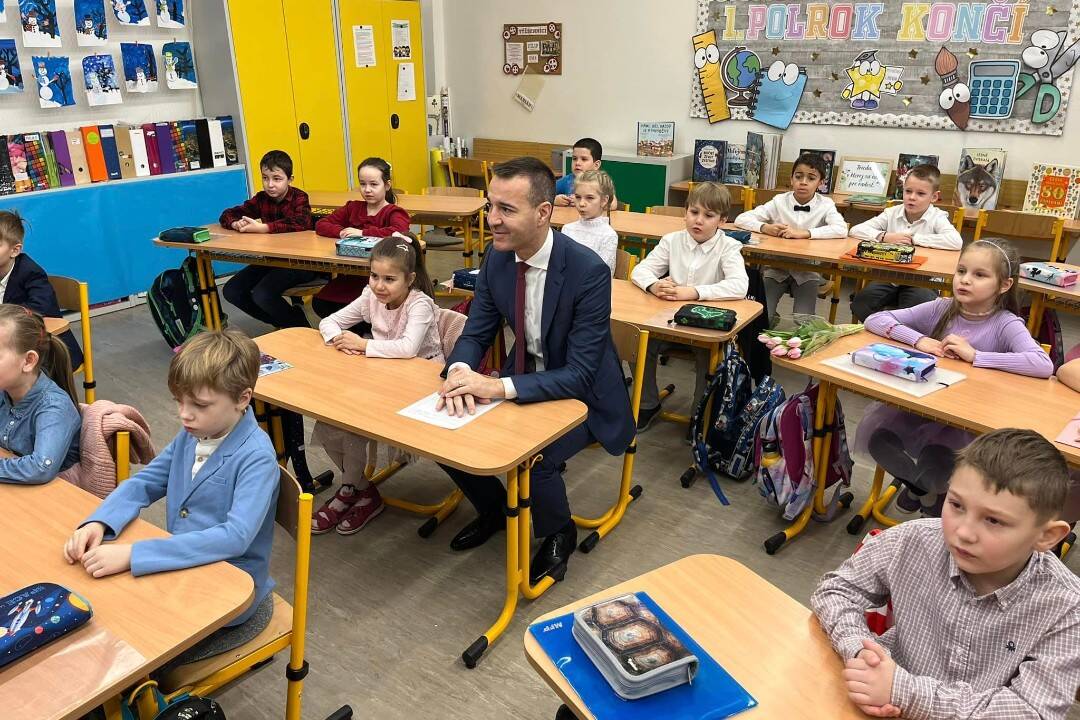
(978, 178)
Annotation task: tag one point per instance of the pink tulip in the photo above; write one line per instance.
(794, 342)
(779, 351)
(794, 353)
(763, 338)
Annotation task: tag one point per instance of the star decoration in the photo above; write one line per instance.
(817, 93)
(973, 52)
(776, 51)
(835, 77)
(906, 101)
(925, 79)
(814, 56)
(1050, 10)
(913, 54)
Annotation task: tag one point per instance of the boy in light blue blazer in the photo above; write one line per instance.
(219, 477)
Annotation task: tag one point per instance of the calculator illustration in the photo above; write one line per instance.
(993, 87)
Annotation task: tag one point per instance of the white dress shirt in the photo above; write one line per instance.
(934, 229)
(823, 221)
(204, 448)
(597, 235)
(714, 268)
(4, 282)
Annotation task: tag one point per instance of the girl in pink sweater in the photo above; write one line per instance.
(398, 305)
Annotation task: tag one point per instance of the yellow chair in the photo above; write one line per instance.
(624, 264)
(1024, 226)
(668, 210)
(286, 628)
(74, 295)
(758, 196)
(466, 172)
(446, 242)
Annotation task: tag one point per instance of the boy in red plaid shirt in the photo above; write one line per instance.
(277, 208)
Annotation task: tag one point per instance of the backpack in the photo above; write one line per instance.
(790, 482)
(175, 304)
(1049, 334)
(182, 707)
(724, 441)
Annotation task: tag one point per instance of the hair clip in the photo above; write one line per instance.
(406, 238)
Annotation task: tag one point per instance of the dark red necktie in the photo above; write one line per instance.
(520, 344)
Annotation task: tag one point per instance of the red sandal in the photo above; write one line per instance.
(326, 518)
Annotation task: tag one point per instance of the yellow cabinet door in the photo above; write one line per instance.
(316, 91)
(260, 51)
(365, 87)
(407, 118)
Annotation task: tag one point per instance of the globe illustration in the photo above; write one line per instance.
(740, 69)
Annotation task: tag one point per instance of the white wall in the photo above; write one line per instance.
(20, 112)
(630, 60)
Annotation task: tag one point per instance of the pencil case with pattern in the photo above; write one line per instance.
(887, 252)
(1050, 274)
(185, 234)
(705, 316)
(357, 247)
(35, 616)
(901, 362)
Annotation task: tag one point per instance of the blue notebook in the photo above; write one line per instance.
(713, 694)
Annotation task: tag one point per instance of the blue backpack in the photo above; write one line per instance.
(724, 441)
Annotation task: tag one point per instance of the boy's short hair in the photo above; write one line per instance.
(11, 228)
(711, 196)
(277, 159)
(1024, 463)
(225, 361)
(593, 146)
(926, 173)
(812, 161)
(541, 179)
(599, 178)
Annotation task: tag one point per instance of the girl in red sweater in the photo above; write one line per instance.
(374, 216)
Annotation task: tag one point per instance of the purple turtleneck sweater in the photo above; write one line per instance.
(1001, 341)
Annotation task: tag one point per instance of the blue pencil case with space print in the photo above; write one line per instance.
(35, 616)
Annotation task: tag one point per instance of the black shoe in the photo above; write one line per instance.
(646, 416)
(554, 551)
(477, 532)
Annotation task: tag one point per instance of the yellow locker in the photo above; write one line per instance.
(365, 87)
(408, 119)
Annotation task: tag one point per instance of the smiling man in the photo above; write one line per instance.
(556, 296)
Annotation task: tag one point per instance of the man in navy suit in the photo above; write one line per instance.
(567, 353)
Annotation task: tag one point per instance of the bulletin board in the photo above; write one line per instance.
(534, 49)
(984, 66)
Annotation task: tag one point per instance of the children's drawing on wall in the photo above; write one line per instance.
(11, 79)
(3, 12)
(869, 78)
(90, 27)
(955, 98)
(707, 62)
(102, 84)
(1049, 56)
(53, 81)
(739, 71)
(39, 25)
(776, 95)
(179, 66)
(170, 13)
(140, 67)
(131, 12)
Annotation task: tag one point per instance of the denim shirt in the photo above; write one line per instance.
(42, 429)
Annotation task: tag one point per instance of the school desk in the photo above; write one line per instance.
(56, 326)
(1043, 296)
(442, 210)
(766, 640)
(322, 384)
(147, 620)
(985, 400)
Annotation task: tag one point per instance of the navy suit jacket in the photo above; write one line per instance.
(28, 285)
(580, 361)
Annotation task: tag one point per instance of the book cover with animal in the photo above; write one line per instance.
(734, 163)
(755, 159)
(828, 159)
(904, 163)
(1053, 190)
(708, 160)
(978, 179)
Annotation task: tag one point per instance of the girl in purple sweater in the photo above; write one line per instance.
(979, 325)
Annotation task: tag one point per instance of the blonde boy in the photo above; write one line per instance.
(915, 222)
(592, 194)
(987, 619)
(800, 214)
(698, 263)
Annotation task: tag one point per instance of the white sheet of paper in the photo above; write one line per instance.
(401, 39)
(424, 411)
(406, 81)
(364, 45)
(940, 380)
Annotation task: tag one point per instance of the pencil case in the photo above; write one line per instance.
(358, 247)
(185, 234)
(889, 252)
(742, 236)
(631, 648)
(465, 279)
(891, 360)
(35, 616)
(704, 316)
(1049, 274)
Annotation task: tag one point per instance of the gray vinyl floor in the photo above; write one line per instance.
(390, 612)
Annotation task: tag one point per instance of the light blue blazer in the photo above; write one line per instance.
(226, 512)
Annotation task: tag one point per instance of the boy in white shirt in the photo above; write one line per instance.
(915, 222)
(592, 194)
(800, 214)
(698, 263)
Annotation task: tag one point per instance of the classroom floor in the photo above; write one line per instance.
(390, 613)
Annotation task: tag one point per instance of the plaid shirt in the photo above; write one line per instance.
(1013, 654)
(292, 214)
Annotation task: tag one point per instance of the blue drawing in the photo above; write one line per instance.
(11, 79)
(140, 67)
(179, 65)
(102, 84)
(131, 12)
(38, 18)
(54, 81)
(777, 93)
(3, 12)
(170, 13)
(90, 27)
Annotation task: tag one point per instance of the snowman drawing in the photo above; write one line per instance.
(163, 10)
(87, 26)
(170, 68)
(95, 83)
(140, 80)
(120, 8)
(32, 22)
(44, 91)
(5, 77)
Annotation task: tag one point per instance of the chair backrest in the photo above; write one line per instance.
(453, 191)
(624, 264)
(288, 511)
(451, 323)
(468, 168)
(627, 339)
(1018, 224)
(669, 210)
(761, 196)
(67, 292)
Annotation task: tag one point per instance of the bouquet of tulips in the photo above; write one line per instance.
(811, 334)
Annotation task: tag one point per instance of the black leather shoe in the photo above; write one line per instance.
(477, 532)
(554, 551)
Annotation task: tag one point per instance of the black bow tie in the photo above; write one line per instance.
(802, 208)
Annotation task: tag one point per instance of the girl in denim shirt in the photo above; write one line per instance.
(39, 416)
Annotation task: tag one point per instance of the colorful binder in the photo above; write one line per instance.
(153, 157)
(178, 147)
(18, 163)
(232, 156)
(51, 170)
(62, 152)
(36, 165)
(189, 141)
(95, 158)
(77, 151)
(110, 151)
(7, 178)
(166, 153)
